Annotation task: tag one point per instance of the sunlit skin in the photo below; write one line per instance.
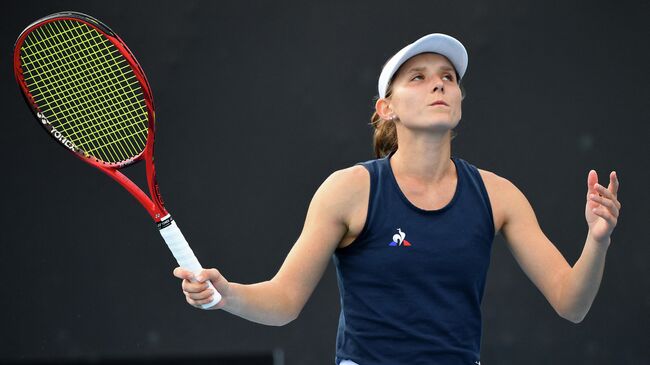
(429, 77)
(420, 82)
(602, 209)
(427, 176)
(424, 127)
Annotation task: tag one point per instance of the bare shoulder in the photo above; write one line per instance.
(502, 193)
(496, 183)
(343, 191)
(327, 224)
(348, 180)
(345, 195)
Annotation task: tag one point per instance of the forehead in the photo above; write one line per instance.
(426, 60)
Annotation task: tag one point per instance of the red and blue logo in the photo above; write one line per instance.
(399, 239)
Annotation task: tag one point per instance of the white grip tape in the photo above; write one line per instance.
(185, 257)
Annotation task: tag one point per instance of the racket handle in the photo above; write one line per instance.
(184, 254)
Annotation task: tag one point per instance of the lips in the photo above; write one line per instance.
(439, 102)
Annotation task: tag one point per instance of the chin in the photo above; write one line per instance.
(439, 126)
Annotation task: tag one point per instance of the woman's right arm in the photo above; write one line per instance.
(341, 198)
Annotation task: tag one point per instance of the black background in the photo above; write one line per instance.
(257, 103)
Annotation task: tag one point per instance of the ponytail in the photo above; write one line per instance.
(385, 136)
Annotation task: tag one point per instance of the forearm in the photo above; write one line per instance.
(264, 303)
(581, 283)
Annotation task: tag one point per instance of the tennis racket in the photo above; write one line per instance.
(87, 90)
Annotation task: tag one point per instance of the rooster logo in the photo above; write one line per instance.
(399, 239)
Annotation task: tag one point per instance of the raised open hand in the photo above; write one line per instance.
(602, 207)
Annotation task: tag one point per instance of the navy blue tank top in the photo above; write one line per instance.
(411, 284)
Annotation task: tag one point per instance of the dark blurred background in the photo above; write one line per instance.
(257, 103)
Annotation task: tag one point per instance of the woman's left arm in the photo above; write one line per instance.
(570, 290)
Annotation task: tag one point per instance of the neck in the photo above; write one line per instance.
(425, 157)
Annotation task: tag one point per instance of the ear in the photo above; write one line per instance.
(383, 109)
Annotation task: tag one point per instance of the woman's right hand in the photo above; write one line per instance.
(196, 288)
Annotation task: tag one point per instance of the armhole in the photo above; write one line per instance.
(370, 167)
(478, 178)
(486, 198)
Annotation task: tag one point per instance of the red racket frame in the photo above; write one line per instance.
(154, 204)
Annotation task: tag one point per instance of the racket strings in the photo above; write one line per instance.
(119, 151)
(91, 142)
(86, 89)
(62, 125)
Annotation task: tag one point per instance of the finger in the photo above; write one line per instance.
(592, 179)
(181, 273)
(609, 204)
(613, 183)
(200, 296)
(605, 214)
(193, 287)
(604, 192)
(199, 303)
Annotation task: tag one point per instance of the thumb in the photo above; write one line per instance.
(182, 273)
(208, 274)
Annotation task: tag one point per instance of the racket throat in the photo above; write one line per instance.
(154, 190)
(155, 209)
(165, 222)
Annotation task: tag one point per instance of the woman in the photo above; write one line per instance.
(411, 232)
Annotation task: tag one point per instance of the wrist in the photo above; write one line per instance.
(228, 297)
(602, 242)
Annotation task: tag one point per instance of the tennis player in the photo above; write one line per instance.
(411, 232)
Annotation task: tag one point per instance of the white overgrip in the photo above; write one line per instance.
(185, 256)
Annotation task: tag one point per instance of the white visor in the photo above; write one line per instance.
(439, 43)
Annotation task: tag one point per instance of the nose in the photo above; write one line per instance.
(438, 85)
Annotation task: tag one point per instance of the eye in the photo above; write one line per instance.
(448, 77)
(417, 77)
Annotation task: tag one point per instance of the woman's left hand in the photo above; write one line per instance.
(602, 207)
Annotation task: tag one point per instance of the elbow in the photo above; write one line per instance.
(287, 312)
(570, 308)
(283, 320)
(276, 320)
(287, 304)
(571, 313)
(574, 317)
(294, 315)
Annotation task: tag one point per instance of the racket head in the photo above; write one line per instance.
(86, 88)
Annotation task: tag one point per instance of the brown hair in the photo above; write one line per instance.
(385, 134)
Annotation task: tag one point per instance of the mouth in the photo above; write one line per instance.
(439, 102)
